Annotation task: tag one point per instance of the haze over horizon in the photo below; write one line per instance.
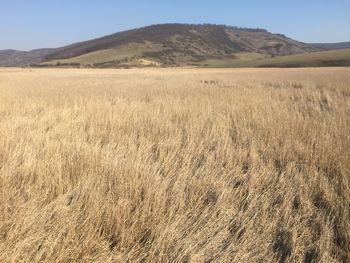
(45, 24)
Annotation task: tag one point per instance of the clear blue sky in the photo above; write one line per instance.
(29, 24)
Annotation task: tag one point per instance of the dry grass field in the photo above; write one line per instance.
(175, 165)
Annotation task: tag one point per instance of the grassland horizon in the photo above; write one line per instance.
(175, 165)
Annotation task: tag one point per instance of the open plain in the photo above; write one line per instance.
(175, 165)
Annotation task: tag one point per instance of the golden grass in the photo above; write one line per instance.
(174, 165)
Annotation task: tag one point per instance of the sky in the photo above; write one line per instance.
(31, 24)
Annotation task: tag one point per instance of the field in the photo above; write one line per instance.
(175, 165)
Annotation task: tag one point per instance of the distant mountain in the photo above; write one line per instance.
(10, 58)
(332, 46)
(164, 45)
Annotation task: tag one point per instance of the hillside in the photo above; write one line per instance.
(165, 44)
(332, 46)
(339, 57)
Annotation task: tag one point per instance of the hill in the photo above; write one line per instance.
(182, 45)
(165, 44)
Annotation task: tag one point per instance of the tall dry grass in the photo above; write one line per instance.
(175, 165)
